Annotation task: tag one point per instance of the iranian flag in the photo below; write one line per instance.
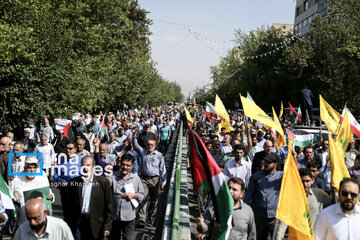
(301, 140)
(208, 175)
(354, 125)
(299, 114)
(210, 111)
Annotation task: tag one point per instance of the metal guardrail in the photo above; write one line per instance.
(176, 212)
(170, 206)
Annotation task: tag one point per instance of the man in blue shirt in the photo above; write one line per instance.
(263, 195)
(152, 172)
(164, 136)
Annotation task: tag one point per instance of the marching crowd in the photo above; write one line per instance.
(103, 165)
(128, 148)
(253, 163)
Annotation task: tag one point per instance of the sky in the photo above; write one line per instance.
(190, 36)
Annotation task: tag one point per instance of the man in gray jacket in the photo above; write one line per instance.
(243, 222)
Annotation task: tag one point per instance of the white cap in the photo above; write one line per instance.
(31, 160)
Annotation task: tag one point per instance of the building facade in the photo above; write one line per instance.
(285, 28)
(305, 13)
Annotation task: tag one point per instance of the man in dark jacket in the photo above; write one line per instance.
(92, 203)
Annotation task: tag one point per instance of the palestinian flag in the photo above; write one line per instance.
(64, 125)
(124, 105)
(292, 112)
(208, 175)
(208, 122)
(354, 125)
(5, 195)
(301, 140)
(137, 111)
(118, 114)
(299, 115)
(248, 96)
(103, 129)
(210, 111)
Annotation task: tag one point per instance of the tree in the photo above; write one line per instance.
(61, 57)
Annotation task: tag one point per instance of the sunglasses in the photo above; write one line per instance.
(345, 194)
(69, 148)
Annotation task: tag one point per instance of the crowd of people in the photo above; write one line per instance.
(253, 164)
(130, 146)
(122, 146)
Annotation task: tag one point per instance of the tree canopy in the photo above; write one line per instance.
(326, 60)
(58, 57)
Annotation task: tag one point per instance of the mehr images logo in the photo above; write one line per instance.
(73, 168)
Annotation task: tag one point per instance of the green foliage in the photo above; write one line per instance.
(327, 60)
(58, 57)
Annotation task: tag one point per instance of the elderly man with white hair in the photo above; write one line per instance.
(21, 184)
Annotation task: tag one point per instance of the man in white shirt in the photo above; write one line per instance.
(47, 130)
(18, 162)
(238, 167)
(341, 220)
(20, 184)
(49, 156)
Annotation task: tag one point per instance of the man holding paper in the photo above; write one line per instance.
(127, 193)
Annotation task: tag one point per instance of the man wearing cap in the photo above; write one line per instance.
(263, 195)
(29, 144)
(145, 135)
(20, 184)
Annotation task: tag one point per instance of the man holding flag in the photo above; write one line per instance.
(242, 216)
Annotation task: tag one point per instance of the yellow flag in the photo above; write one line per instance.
(344, 136)
(293, 208)
(194, 101)
(281, 110)
(329, 115)
(221, 110)
(253, 111)
(188, 116)
(337, 163)
(280, 138)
